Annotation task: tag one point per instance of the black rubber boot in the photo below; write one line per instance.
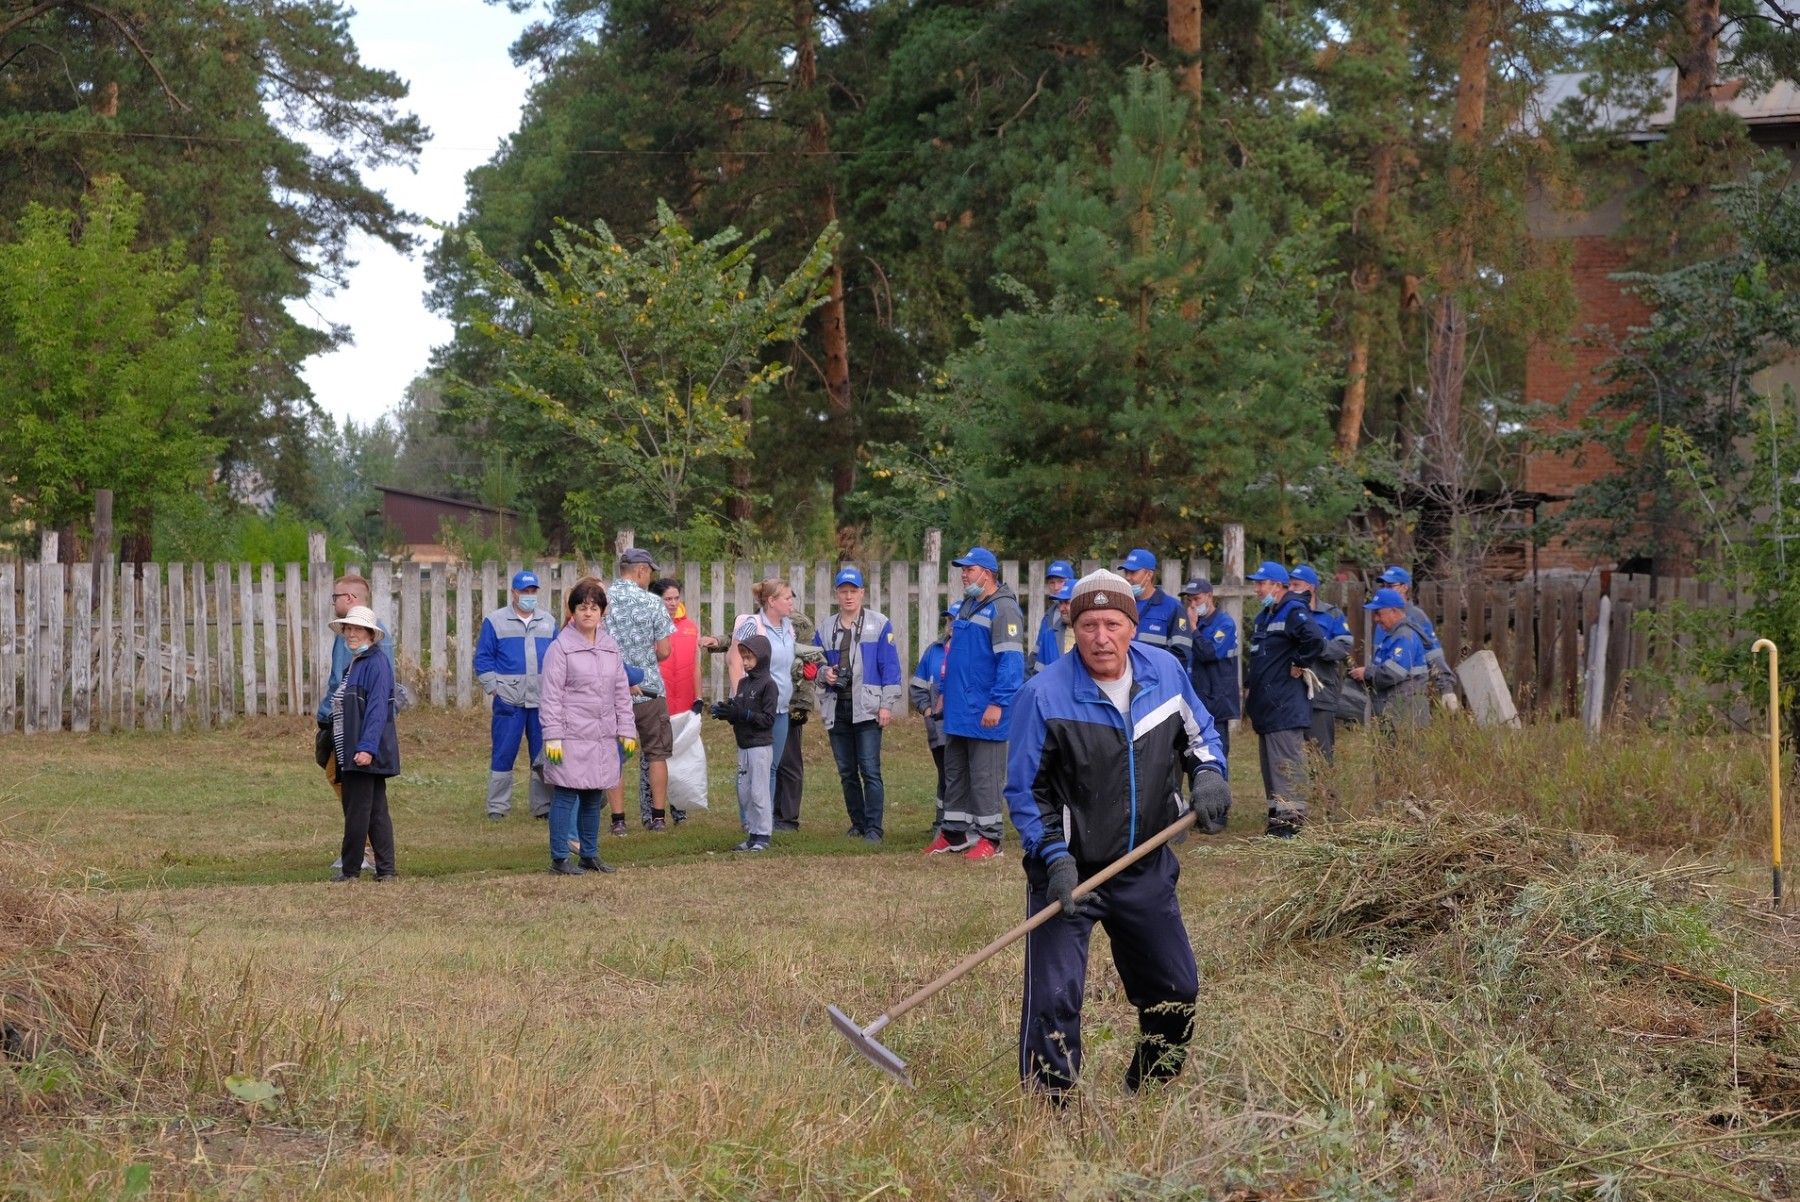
(1163, 1034)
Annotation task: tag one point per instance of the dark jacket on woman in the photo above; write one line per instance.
(751, 710)
(369, 716)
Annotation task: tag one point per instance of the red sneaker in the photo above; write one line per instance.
(942, 844)
(984, 849)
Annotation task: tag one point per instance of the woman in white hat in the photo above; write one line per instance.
(366, 744)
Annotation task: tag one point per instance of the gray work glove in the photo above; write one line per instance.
(1064, 876)
(1211, 799)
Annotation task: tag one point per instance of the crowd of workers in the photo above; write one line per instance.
(1093, 734)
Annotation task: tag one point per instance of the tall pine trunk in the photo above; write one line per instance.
(834, 337)
(1447, 356)
(1365, 280)
(1184, 36)
(1697, 58)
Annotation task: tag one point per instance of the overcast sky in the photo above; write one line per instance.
(466, 90)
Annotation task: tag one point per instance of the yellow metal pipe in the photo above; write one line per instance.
(1774, 761)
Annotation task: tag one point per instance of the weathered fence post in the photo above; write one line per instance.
(1234, 577)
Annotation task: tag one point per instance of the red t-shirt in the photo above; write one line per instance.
(679, 683)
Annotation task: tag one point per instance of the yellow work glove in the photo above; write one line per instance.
(628, 746)
(553, 750)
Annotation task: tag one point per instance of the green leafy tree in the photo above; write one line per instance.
(246, 123)
(1173, 377)
(112, 361)
(629, 370)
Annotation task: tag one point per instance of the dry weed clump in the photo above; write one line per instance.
(1537, 1012)
(73, 972)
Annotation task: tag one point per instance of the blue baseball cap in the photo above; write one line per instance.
(523, 581)
(1304, 571)
(1060, 567)
(1385, 598)
(949, 612)
(1065, 593)
(1395, 574)
(979, 557)
(848, 574)
(1138, 560)
(1271, 571)
(1196, 586)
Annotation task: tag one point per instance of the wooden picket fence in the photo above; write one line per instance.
(179, 646)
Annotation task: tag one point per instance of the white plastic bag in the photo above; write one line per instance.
(687, 765)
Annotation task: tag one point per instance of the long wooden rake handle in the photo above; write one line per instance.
(975, 959)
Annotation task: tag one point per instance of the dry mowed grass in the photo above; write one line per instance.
(484, 1030)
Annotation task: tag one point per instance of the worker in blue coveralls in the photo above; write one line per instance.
(1399, 669)
(1214, 665)
(984, 665)
(1052, 632)
(1284, 643)
(1162, 620)
(509, 658)
(1443, 676)
(1340, 644)
(1109, 746)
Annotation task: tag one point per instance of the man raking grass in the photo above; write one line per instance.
(1108, 749)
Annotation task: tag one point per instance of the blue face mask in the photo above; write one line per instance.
(1267, 602)
(972, 591)
(527, 603)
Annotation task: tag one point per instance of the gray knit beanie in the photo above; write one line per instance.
(1103, 590)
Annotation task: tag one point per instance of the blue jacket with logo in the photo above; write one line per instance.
(984, 665)
(874, 673)
(1340, 644)
(1284, 635)
(1213, 668)
(1399, 674)
(509, 655)
(1162, 622)
(1082, 782)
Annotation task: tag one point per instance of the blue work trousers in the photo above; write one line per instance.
(1150, 947)
(510, 722)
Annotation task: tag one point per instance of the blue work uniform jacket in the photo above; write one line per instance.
(922, 691)
(1081, 781)
(873, 676)
(1048, 647)
(1284, 635)
(984, 665)
(1442, 675)
(509, 655)
(1162, 622)
(1340, 644)
(1213, 668)
(1399, 674)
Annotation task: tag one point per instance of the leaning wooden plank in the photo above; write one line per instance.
(28, 647)
(81, 645)
(440, 634)
(9, 647)
(153, 648)
(130, 588)
(178, 659)
(271, 640)
(203, 650)
(296, 639)
(406, 655)
(467, 627)
(106, 691)
(227, 640)
(247, 616)
(55, 581)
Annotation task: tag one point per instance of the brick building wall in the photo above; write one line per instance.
(1572, 370)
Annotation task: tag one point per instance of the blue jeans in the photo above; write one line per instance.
(779, 733)
(857, 748)
(573, 813)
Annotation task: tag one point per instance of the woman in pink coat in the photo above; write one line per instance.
(585, 705)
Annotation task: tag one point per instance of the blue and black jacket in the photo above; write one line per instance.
(1162, 622)
(368, 716)
(1048, 648)
(1283, 636)
(1078, 783)
(984, 665)
(1399, 673)
(1213, 668)
(1340, 644)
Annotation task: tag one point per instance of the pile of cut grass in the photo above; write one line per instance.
(1502, 1008)
(74, 974)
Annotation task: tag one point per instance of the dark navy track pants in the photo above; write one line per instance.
(1150, 947)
